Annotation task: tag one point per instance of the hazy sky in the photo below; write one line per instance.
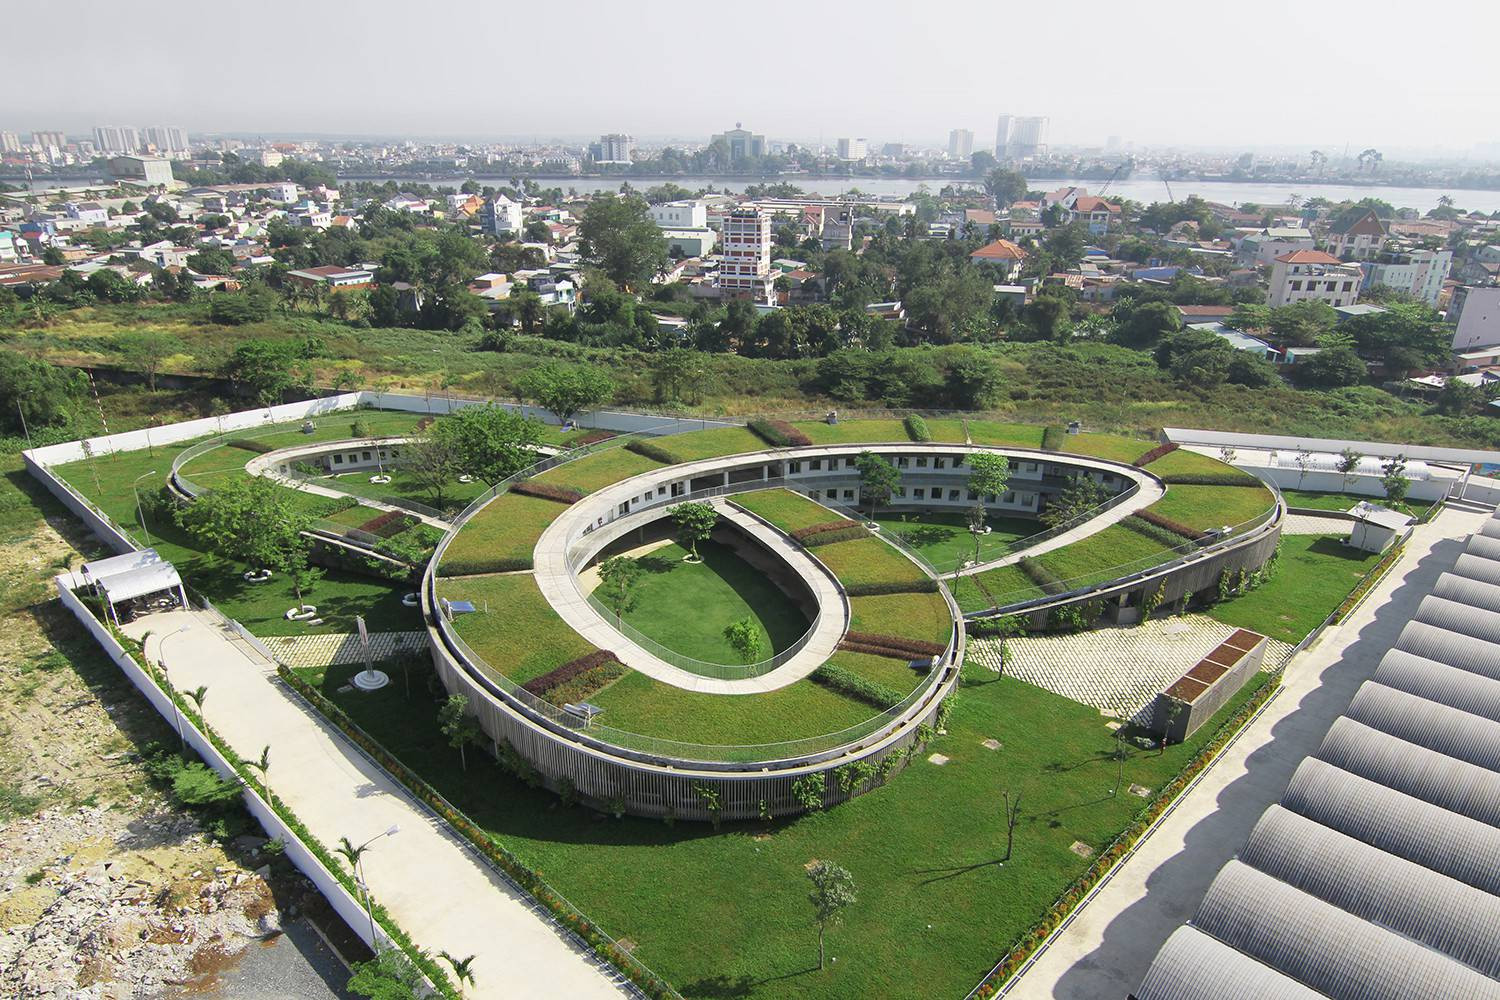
(1394, 75)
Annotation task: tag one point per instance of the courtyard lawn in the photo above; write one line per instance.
(854, 431)
(910, 616)
(1208, 507)
(726, 915)
(335, 427)
(869, 562)
(994, 432)
(501, 536)
(1001, 586)
(686, 606)
(944, 540)
(1111, 447)
(696, 445)
(1314, 573)
(946, 430)
(886, 671)
(646, 707)
(1189, 463)
(404, 487)
(1343, 501)
(597, 471)
(787, 510)
(514, 629)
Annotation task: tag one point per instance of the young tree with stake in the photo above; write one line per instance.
(458, 725)
(1347, 465)
(618, 576)
(832, 891)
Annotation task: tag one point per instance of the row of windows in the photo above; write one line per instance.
(1330, 286)
(363, 456)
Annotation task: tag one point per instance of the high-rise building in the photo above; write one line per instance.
(10, 142)
(54, 140)
(117, 138)
(853, 149)
(745, 256)
(743, 144)
(167, 139)
(615, 147)
(961, 143)
(1020, 137)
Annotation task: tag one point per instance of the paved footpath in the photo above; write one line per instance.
(439, 892)
(1106, 950)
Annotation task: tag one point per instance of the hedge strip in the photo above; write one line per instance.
(847, 682)
(1156, 533)
(922, 585)
(917, 646)
(655, 452)
(1348, 604)
(250, 444)
(378, 524)
(846, 533)
(484, 564)
(1227, 478)
(1176, 527)
(561, 675)
(1053, 438)
(546, 491)
(804, 533)
(778, 433)
(1155, 453)
(916, 428)
(1043, 577)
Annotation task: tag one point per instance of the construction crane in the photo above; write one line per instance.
(1125, 166)
(1169, 187)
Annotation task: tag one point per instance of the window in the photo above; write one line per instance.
(973, 495)
(816, 465)
(792, 468)
(661, 491)
(365, 455)
(919, 493)
(953, 494)
(937, 463)
(338, 460)
(921, 463)
(1009, 497)
(848, 494)
(353, 457)
(1296, 286)
(902, 462)
(1348, 285)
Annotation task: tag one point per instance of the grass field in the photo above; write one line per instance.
(1098, 556)
(1206, 507)
(514, 629)
(944, 539)
(994, 432)
(787, 510)
(1343, 501)
(696, 445)
(598, 471)
(686, 606)
(1006, 584)
(1314, 574)
(911, 616)
(1189, 463)
(726, 915)
(947, 430)
(853, 431)
(1107, 446)
(501, 536)
(863, 562)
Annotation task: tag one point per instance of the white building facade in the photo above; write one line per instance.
(745, 256)
(1418, 273)
(1311, 275)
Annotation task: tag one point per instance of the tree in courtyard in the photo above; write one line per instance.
(262, 767)
(1012, 813)
(832, 891)
(432, 462)
(878, 480)
(989, 476)
(618, 236)
(1394, 480)
(458, 725)
(489, 442)
(565, 389)
(1347, 465)
(618, 576)
(1120, 755)
(145, 350)
(269, 369)
(1304, 460)
(695, 523)
(1077, 499)
(744, 636)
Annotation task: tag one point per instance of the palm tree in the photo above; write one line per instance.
(463, 969)
(198, 694)
(350, 853)
(262, 767)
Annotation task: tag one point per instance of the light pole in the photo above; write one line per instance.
(359, 874)
(138, 508)
(176, 717)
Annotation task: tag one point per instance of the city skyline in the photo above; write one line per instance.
(837, 95)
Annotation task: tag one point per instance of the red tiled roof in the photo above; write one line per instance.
(1308, 257)
(999, 250)
(1089, 203)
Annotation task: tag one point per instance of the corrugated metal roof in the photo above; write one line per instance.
(1434, 643)
(1466, 590)
(1443, 913)
(1194, 966)
(1479, 567)
(1413, 770)
(1485, 548)
(1441, 682)
(1447, 730)
(1326, 948)
(1459, 618)
(1279, 442)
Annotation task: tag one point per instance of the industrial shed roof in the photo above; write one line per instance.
(1449, 731)
(1474, 691)
(1466, 590)
(1425, 774)
(1434, 643)
(1194, 966)
(1460, 618)
(1476, 566)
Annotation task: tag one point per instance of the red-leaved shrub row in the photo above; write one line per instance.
(392, 522)
(250, 444)
(592, 437)
(1155, 453)
(905, 656)
(916, 646)
(779, 433)
(532, 488)
(1177, 528)
(561, 675)
(803, 534)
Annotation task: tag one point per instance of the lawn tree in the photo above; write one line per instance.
(1304, 461)
(253, 520)
(1012, 811)
(1394, 480)
(432, 462)
(262, 767)
(1082, 496)
(490, 442)
(566, 389)
(744, 636)
(146, 350)
(618, 576)
(270, 369)
(1120, 754)
(196, 696)
(989, 476)
(1347, 465)
(832, 891)
(458, 725)
(695, 523)
(878, 480)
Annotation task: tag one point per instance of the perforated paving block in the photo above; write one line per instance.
(938, 759)
(991, 744)
(1081, 849)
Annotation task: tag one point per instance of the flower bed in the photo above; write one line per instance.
(1155, 453)
(388, 524)
(554, 678)
(546, 491)
(592, 437)
(916, 647)
(1230, 478)
(847, 682)
(1040, 575)
(1175, 527)
(250, 444)
(830, 531)
(779, 433)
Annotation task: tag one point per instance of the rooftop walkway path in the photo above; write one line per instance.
(437, 890)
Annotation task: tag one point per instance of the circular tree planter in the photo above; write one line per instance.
(257, 575)
(306, 612)
(690, 558)
(466, 478)
(872, 526)
(380, 480)
(410, 600)
(370, 680)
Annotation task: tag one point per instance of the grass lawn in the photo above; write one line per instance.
(377, 423)
(787, 510)
(854, 431)
(948, 430)
(944, 540)
(638, 704)
(1189, 463)
(997, 433)
(1314, 574)
(1107, 446)
(1205, 507)
(686, 606)
(501, 536)
(887, 671)
(696, 445)
(866, 561)
(1100, 556)
(1343, 501)
(726, 914)
(403, 486)
(600, 470)
(514, 628)
(910, 616)
(1007, 585)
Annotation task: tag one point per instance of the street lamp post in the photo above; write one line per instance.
(176, 716)
(138, 509)
(359, 874)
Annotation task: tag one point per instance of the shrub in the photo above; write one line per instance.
(916, 428)
(250, 444)
(388, 524)
(916, 585)
(587, 684)
(808, 791)
(778, 433)
(1053, 438)
(829, 532)
(1141, 526)
(592, 437)
(573, 668)
(916, 647)
(1043, 577)
(1161, 521)
(475, 565)
(1229, 477)
(545, 491)
(1155, 453)
(655, 452)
